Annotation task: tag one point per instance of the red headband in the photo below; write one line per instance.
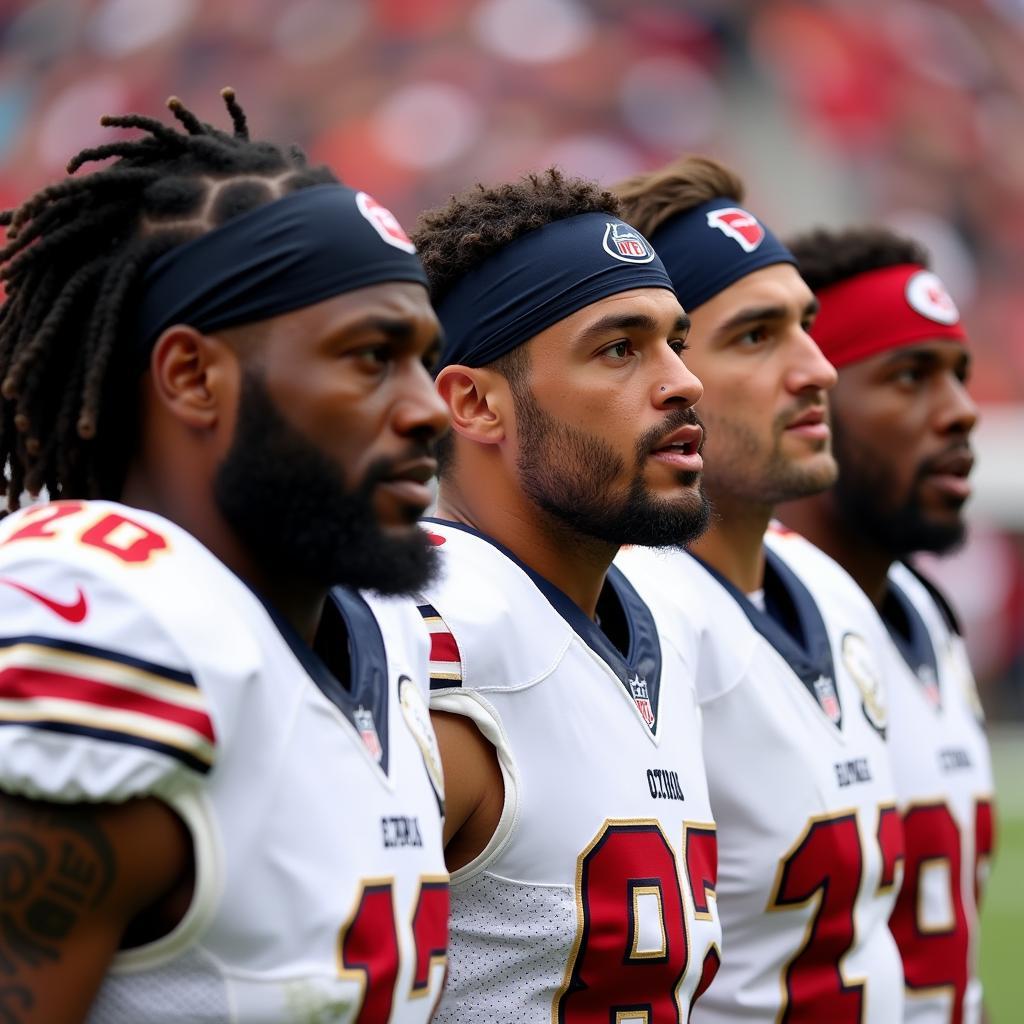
(883, 309)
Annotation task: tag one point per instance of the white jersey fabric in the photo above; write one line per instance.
(594, 900)
(134, 663)
(944, 781)
(800, 784)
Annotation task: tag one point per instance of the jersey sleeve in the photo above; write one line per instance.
(97, 701)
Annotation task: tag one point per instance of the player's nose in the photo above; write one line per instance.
(809, 369)
(675, 385)
(419, 410)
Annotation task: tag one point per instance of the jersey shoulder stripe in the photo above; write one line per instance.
(70, 687)
(445, 657)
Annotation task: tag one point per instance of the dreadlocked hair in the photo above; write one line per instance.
(454, 238)
(74, 256)
(827, 256)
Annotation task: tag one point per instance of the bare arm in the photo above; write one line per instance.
(71, 880)
(474, 789)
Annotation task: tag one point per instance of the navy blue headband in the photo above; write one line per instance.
(307, 246)
(707, 248)
(542, 278)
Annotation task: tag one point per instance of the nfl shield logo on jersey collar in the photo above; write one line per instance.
(828, 699)
(363, 718)
(642, 699)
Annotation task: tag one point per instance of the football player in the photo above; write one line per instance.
(902, 420)
(788, 680)
(213, 356)
(578, 830)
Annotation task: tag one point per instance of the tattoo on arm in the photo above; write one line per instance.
(55, 866)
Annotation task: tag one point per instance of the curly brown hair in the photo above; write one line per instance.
(457, 237)
(826, 256)
(649, 199)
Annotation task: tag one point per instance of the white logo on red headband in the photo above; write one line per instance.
(927, 295)
(742, 227)
(626, 243)
(384, 222)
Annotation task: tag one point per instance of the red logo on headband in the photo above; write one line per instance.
(384, 222)
(927, 295)
(740, 226)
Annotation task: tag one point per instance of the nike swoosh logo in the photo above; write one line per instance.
(74, 611)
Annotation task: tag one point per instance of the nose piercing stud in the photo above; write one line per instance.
(663, 388)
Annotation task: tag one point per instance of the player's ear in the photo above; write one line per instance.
(479, 401)
(194, 375)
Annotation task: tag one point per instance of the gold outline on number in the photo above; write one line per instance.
(816, 898)
(930, 991)
(647, 890)
(899, 864)
(578, 896)
(710, 892)
(360, 974)
(435, 959)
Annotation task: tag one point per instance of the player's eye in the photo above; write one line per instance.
(753, 336)
(909, 375)
(679, 346)
(621, 349)
(373, 357)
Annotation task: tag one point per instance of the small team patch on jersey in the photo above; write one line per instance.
(417, 719)
(828, 699)
(60, 686)
(642, 699)
(626, 244)
(739, 225)
(861, 665)
(445, 658)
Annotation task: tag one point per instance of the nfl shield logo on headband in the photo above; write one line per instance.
(384, 222)
(737, 224)
(626, 243)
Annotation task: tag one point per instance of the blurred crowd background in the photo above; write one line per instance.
(905, 112)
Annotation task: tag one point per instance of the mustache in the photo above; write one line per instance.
(798, 408)
(937, 463)
(385, 467)
(652, 439)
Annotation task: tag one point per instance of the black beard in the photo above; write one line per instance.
(571, 475)
(863, 496)
(288, 503)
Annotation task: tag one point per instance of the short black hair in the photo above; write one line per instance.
(454, 238)
(827, 256)
(457, 237)
(75, 254)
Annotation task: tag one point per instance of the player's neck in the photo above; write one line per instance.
(575, 564)
(819, 520)
(299, 601)
(734, 545)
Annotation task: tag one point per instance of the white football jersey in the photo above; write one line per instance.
(134, 663)
(809, 835)
(944, 782)
(594, 899)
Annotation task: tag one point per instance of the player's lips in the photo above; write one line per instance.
(681, 449)
(812, 424)
(948, 472)
(409, 482)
